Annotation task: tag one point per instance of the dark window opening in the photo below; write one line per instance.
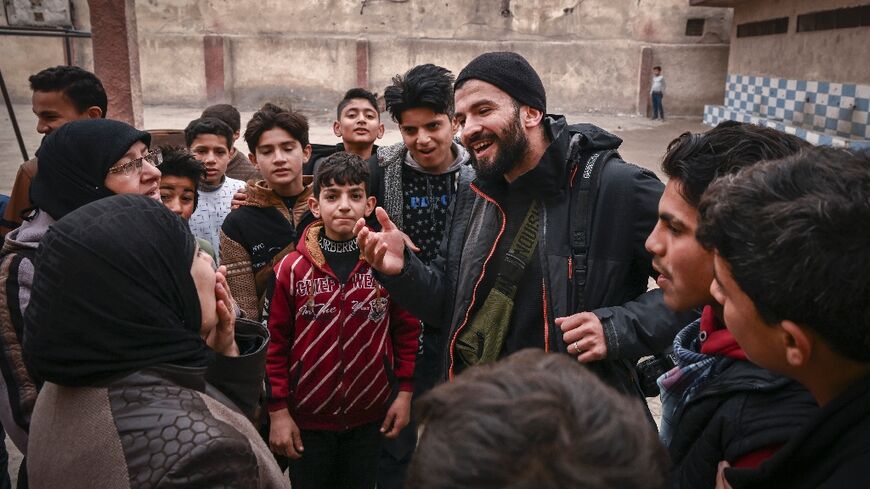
(763, 28)
(842, 18)
(695, 27)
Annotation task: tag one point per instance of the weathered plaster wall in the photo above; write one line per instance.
(304, 52)
(833, 55)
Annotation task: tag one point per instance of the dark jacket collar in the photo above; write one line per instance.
(547, 179)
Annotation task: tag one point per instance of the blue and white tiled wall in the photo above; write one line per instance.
(818, 111)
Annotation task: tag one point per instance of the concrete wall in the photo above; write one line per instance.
(834, 55)
(304, 52)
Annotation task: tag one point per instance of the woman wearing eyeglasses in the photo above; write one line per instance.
(79, 163)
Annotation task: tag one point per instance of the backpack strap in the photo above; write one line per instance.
(586, 166)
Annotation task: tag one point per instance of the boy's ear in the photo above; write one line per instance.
(94, 112)
(336, 129)
(454, 125)
(380, 130)
(314, 205)
(798, 343)
(370, 204)
(306, 153)
(235, 136)
(253, 158)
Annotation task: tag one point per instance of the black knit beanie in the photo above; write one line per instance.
(509, 72)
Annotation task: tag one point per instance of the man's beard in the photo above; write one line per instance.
(512, 147)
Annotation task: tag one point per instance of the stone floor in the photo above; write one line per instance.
(644, 140)
(644, 143)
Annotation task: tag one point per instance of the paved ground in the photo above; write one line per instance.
(645, 140)
(644, 143)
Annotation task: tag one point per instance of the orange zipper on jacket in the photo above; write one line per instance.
(546, 317)
(480, 278)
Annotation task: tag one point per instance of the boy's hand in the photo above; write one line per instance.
(222, 338)
(239, 198)
(398, 415)
(284, 436)
(384, 250)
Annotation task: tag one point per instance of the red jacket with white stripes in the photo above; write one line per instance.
(336, 351)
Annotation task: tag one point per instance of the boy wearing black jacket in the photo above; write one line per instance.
(792, 271)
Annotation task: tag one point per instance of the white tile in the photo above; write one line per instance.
(847, 102)
(835, 88)
(862, 91)
(819, 121)
(844, 126)
(812, 86)
(790, 104)
(822, 99)
(861, 117)
(813, 138)
(790, 129)
(791, 85)
(833, 112)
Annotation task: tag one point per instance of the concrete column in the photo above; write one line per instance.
(213, 50)
(116, 57)
(644, 80)
(362, 63)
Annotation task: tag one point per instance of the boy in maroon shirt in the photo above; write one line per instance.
(340, 349)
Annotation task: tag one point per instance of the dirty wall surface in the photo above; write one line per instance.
(308, 52)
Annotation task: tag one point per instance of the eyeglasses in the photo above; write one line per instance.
(154, 157)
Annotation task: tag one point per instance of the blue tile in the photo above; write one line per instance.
(802, 85)
(790, 95)
(780, 103)
(862, 104)
(858, 129)
(863, 144)
(830, 123)
(845, 114)
(825, 140)
(821, 109)
(789, 115)
(833, 100)
(824, 87)
(782, 82)
(848, 89)
(801, 133)
(752, 80)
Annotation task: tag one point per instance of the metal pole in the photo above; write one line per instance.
(67, 51)
(12, 118)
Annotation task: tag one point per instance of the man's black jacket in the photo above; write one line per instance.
(636, 322)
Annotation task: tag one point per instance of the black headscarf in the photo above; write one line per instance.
(74, 161)
(113, 293)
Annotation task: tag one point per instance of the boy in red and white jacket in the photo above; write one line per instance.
(339, 348)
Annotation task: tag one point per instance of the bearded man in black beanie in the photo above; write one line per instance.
(545, 248)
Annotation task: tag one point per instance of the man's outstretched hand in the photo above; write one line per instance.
(384, 250)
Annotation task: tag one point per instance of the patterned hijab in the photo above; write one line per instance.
(113, 294)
